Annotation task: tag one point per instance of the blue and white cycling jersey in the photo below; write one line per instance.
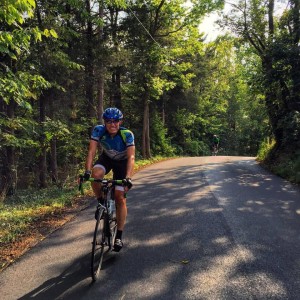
(114, 147)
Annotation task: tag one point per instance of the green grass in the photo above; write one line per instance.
(17, 213)
(288, 167)
(285, 165)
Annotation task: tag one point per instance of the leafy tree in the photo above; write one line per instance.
(145, 57)
(159, 26)
(275, 41)
(19, 80)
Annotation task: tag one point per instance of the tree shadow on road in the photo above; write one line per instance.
(196, 232)
(77, 274)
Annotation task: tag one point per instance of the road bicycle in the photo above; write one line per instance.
(106, 222)
(215, 150)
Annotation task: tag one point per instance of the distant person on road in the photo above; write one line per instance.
(216, 142)
(118, 155)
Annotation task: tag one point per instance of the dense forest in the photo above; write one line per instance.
(63, 62)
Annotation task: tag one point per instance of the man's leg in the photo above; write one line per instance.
(121, 214)
(121, 209)
(98, 173)
(119, 170)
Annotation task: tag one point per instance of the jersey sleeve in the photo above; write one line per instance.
(128, 137)
(97, 132)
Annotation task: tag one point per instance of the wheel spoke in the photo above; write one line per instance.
(98, 247)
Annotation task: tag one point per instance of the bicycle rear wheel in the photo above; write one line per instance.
(99, 243)
(215, 151)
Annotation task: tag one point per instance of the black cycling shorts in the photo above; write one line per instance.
(119, 167)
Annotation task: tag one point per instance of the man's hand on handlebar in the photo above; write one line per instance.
(128, 183)
(87, 175)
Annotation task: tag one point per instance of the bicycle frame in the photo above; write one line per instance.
(105, 182)
(215, 150)
(106, 226)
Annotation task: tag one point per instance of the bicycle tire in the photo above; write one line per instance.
(99, 242)
(214, 151)
(113, 229)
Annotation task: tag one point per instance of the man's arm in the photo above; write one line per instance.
(130, 161)
(91, 155)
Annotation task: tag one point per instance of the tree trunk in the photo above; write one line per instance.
(163, 111)
(53, 150)
(100, 103)
(2, 159)
(296, 20)
(100, 82)
(146, 153)
(53, 161)
(10, 168)
(42, 155)
(271, 17)
(115, 93)
(89, 69)
(117, 96)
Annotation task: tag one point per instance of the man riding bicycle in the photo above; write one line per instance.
(118, 155)
(216, 142)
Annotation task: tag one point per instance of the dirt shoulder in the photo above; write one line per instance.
(39, 230)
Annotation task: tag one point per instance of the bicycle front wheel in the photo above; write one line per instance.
(99, 243)
(113, 229)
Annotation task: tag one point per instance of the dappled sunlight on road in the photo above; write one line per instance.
(222, 267)
(212, 210)
(164, 212)
(197, 228)
(221, 256)
(156, 285)
(226, 268)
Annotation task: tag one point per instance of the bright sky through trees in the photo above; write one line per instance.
(212, 30)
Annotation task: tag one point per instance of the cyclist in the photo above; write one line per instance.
(216, 142)
(118, 155)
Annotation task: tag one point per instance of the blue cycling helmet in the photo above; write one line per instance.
(112, 113)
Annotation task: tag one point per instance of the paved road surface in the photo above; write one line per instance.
(198, 228)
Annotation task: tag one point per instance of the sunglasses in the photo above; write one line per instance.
(112, 121)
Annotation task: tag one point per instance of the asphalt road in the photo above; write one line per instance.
(198, 228)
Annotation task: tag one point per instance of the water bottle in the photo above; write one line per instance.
(111, 206)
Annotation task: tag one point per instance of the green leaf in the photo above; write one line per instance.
(53, 33)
